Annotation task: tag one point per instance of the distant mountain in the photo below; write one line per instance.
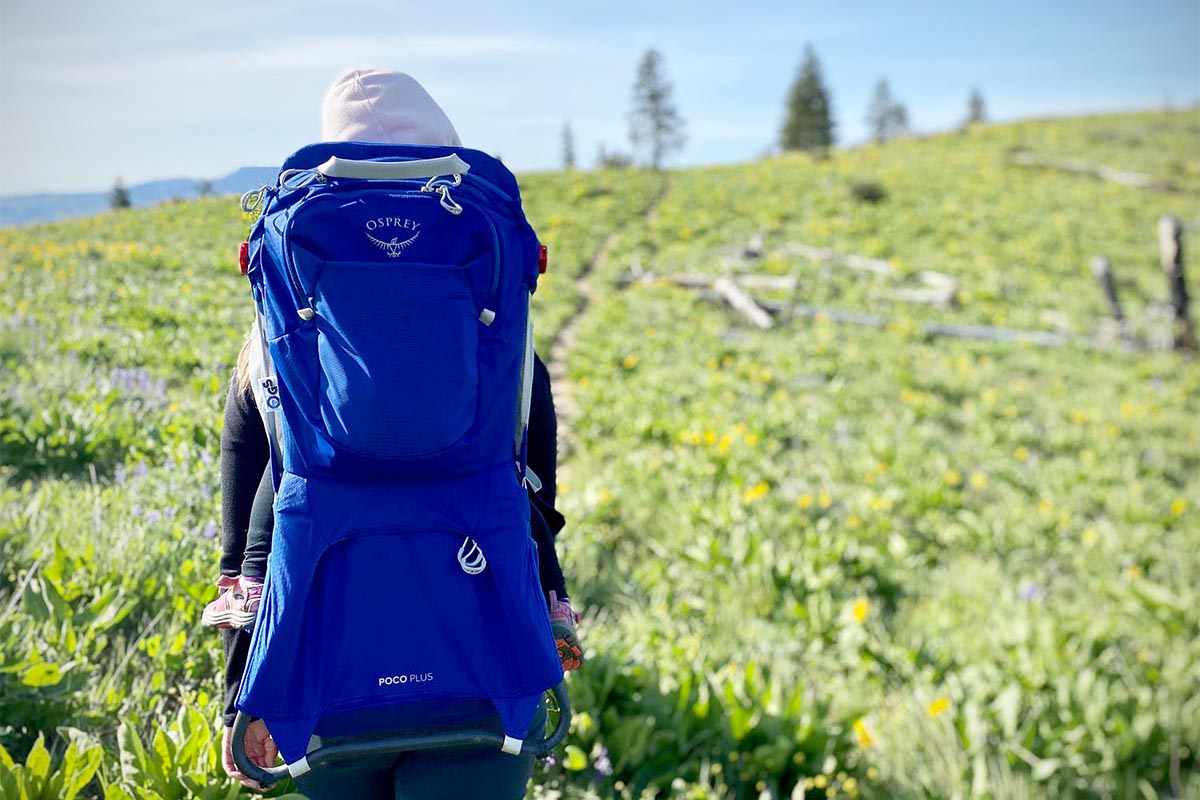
(22, 209)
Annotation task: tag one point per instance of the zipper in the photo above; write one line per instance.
(331, 192)
(496, 190)
(482, 209)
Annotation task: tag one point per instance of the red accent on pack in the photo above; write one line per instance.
(543, 259)
(244, 256)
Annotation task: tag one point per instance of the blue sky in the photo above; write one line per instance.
(94, 90)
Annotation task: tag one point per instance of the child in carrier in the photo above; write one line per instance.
(378, 107)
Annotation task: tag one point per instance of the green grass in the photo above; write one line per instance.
(815, 561)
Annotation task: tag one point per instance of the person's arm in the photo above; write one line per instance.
(543, 446)
(245, 453)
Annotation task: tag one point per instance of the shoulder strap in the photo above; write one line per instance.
(262, 372)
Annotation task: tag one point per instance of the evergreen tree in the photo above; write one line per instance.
(976, 111)
(654, 123)
(119, 196)
(568, 146)
(204, 187)
(886, 118)
(809, 122)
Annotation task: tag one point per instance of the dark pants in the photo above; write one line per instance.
(439, 775)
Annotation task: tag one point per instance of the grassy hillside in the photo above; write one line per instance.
(820, 560)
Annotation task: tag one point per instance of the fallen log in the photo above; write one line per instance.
(1124, 177)
(749, 280)
(742, 303)
(977, 332)
(873, 265)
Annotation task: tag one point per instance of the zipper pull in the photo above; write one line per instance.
(443, 187)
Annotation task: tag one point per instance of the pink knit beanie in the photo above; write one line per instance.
(368, 105)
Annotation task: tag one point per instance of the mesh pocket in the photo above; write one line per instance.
(397, 346)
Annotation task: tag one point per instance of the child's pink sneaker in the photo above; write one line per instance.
(562, 623)
(236, 604)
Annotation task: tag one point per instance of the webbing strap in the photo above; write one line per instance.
(270, 399)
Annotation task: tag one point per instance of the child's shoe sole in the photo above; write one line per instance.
(227, 618)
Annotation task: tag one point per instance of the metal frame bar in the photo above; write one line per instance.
(327, 754)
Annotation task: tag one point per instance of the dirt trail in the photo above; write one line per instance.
(564, 342)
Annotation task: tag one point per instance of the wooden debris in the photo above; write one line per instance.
(742, 303)
(751, 280)
(978, 332)
(1170, 245)
(1102, 272)
(754, 248)
(872, 265)
(1122, 176)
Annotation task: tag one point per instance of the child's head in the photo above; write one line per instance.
(370, 105)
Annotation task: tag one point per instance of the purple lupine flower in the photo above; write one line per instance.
(153, 517)
(137, 512)
(141, 470)
(206, 458)
(205, 492)
(602, 764)
(1031, 592)
(169, 513)
(210, 530)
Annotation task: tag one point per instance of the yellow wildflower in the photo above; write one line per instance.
(953, 477)
(979, 481)
(755, 492)
(630, 361)
(938, 707)
(824, 500)
(865, 739)
(1178, 506)
(1045, 505)
(1090, 537)
(862, 609)
(804, 500)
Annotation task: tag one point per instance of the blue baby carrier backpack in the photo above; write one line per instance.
(392, 286)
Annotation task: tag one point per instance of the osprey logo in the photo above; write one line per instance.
(388, 241)
(272, 393)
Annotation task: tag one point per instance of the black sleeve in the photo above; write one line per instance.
(549, 571)
(543, 446)
(245, 453)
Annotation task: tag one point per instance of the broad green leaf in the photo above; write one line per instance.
(84, 771)
(42, 674)
(37, 763)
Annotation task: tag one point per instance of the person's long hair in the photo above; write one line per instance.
(241, 373)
